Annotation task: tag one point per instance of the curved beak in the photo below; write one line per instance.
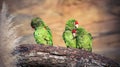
(74, 34)
(76, 25)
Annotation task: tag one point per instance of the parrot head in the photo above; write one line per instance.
(76, 24)
(71, 24)
(74, 32)
(36, 22)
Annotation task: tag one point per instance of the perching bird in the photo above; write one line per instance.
(77, 37)
(83, 39)
(42, 32)
(68, 34)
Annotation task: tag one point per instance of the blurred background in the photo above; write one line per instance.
(100, 17)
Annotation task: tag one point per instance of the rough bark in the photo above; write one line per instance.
(49, 56)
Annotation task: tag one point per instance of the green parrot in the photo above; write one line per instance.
(68, 34)
(77, 37)
(42, 32)
(83, 39)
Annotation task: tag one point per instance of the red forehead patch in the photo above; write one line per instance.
(76, 22)
(73, 31)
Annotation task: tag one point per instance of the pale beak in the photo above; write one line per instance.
(74, 34)
(76, 25)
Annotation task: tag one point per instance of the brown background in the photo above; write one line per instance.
(99, 17)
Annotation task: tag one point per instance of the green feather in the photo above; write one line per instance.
(42, 32)
(69, 39)
(70, 24)
(84, 39)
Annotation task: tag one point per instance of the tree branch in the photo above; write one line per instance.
(50, 56)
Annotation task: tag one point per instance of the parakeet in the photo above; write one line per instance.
(77, 37)
(68, 33)
(83, 39)
(42, 32)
